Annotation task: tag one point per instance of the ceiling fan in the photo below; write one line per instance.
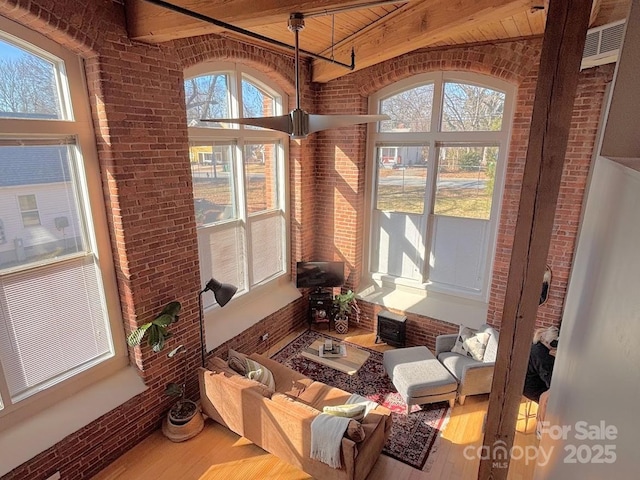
(298, 123)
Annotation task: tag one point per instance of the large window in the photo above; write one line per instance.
(437, 182)
(55, 312)
(238, 177)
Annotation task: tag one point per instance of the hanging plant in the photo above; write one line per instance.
(156, 330)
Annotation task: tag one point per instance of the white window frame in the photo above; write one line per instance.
(378, 282)
(76, 123)
(275, 291)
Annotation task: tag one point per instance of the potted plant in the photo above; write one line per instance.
(156, 330)
(344, 305)
(183, 419)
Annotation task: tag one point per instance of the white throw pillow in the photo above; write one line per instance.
(471, 343)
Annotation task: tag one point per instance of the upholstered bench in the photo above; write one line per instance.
(419, 377)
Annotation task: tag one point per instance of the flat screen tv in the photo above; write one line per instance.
(319, 274)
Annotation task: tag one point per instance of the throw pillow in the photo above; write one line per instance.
(262, 374)
(244, 382)
(471, 343)
(237, 361)
(355, 431)
(351, 410)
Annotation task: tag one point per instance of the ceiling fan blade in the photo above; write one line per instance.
(325, 122)
(281, 123)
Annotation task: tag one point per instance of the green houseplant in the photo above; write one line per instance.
(156, 330)
(344, 305)
(183, 419)
(184, 409)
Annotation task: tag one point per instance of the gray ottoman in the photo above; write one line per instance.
(419, 377)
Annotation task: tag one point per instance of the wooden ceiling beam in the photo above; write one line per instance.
(416, 25)
(151, 23)
(558, 74)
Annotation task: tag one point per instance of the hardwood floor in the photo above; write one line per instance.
(218, 453)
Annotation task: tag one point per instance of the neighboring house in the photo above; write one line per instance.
(36, 218)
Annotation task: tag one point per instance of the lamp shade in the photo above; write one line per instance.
(223, 292)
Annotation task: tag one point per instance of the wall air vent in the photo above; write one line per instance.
(603, 44)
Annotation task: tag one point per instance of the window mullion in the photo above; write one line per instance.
(241, 199)
(5, 396)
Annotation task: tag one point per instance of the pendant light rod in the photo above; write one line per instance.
(247, 33)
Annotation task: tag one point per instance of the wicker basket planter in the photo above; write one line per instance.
(185, 431)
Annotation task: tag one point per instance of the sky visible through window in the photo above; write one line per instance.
(8, 51)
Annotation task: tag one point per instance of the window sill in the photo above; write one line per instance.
(24, 441)
(222, 324)
(439, 306)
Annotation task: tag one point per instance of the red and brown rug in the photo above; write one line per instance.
(412, 436)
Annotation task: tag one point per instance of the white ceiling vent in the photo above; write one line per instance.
(603, 44)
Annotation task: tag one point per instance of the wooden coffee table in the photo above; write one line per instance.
(349, 364)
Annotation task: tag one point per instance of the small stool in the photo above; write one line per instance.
(419, 377)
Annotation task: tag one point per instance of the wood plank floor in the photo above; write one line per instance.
(218, 453)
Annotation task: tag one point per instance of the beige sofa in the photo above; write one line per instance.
(280, 421)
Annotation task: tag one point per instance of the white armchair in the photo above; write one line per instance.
(474, 377)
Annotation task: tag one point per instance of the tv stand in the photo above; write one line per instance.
(320, 307)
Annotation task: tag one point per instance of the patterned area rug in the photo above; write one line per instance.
(412, 436)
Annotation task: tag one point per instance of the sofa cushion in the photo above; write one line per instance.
(318, 395)
(237, 361)
(216, 364)
(455, 363)
(471, 343)
(354, 431)
(259, 372)
(491, 352)
(351, 410)
(245, 382)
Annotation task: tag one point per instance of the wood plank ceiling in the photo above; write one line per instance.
(376, 32)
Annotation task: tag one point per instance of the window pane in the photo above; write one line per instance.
(267, 240)
(256, 102)
(27, 202)
(208, 96)
(468, 108)
(466, 176)
(213, 191)
(48, 330)
(260, 169)
(410, 111)
(41, 225)
(222, 256)
(28, 86)
(402, 178)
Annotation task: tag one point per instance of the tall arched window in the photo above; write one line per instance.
(437, 182)
(60, 326)
(238, 177)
